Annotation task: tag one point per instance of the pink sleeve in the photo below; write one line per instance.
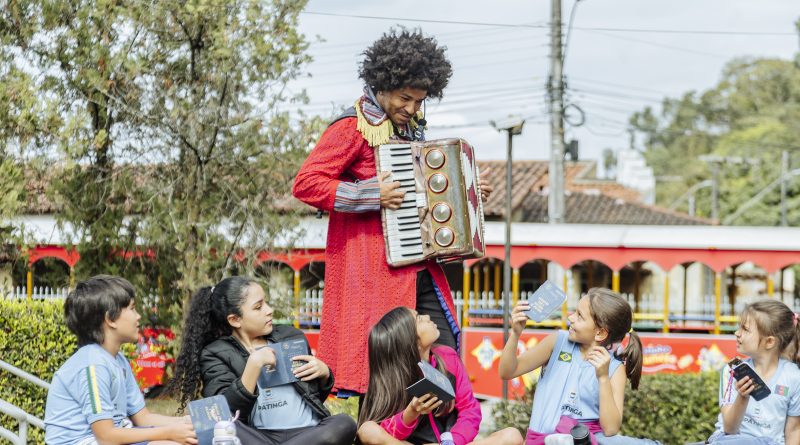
(469, 410)
(318, 179)
(397, 428)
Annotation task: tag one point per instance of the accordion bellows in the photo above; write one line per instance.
(441, 216)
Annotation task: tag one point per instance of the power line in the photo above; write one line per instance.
(540, 25)
(659, 45)
(620, 85)
(447, 22)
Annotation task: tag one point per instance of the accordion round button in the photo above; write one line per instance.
(437, 183)
(444, 237)
(434, 159)
(441, 212)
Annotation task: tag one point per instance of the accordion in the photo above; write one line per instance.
(441, 215)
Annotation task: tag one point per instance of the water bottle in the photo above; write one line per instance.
(446, 439)
(225, 433)
(580, 435)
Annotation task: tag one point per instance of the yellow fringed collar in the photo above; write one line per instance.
(382, 130)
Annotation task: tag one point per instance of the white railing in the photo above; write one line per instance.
(39, 292)
(46, 293)
(485, 304)
(23, 418)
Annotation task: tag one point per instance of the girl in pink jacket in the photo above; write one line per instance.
(390, 416)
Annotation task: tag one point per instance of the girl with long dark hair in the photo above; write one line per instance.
(226, 343)
(390, 416)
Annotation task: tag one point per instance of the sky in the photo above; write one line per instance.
(622, 55)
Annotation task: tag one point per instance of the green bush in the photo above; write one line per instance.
(671, 408)
(34, 338)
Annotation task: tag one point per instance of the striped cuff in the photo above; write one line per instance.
(358, 197)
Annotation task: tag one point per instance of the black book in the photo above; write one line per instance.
(741, 369)
(283, 371)
(205, 413)
(433, 382)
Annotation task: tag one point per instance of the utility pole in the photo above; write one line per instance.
(784, 186)
(513, 126)
(715, 190)
(555, 201)
(716, 162)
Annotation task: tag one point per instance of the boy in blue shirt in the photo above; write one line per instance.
(94, 398)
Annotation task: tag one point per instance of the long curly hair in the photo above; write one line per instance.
(206, 322)
(406, 59)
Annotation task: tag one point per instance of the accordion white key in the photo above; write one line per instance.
(441, 215)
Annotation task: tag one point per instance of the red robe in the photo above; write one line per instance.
(360, 287)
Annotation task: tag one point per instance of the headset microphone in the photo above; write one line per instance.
(422, 122)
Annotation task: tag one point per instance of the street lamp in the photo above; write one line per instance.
(513, 126)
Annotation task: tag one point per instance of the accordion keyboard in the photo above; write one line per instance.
(405, 237)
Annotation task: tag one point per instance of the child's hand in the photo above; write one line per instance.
(420, 406)
(263, 357)
(599, 357)
(519, 318)
(745, 386)
(183, 433)
(313, 369)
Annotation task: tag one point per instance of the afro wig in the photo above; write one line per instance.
(406, 59)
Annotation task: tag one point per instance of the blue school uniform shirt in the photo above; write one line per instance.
(765, 417)
(281, 408)
(91, 385)
(567, 386)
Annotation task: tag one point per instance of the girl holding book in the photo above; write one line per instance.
(769, 335)
(228, 342)
(389, 415)
(585, 369)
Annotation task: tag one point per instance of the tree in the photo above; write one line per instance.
(753, 112)
(172, 141)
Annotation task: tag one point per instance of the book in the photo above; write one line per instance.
(434, 382)
(205, 413)
(544, 301)
(741, 369)
(283, 371)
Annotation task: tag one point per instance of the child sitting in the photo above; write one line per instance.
(93, 398)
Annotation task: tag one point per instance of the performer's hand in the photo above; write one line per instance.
(391, 198)
(313, 369)
(518, 317)
(486, 189)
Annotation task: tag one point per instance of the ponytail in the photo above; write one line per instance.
(632, 356)
(793, 350)
(611, 312)
(207, 321)
(199, 329)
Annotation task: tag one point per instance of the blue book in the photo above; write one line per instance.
(205, 413)
(434, 382)
(544, 301)
(283, 371)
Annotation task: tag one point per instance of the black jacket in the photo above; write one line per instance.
(222, 364)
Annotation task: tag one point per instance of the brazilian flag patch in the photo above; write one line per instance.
(564, 357)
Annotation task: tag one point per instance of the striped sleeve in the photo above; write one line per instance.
(358, 197)
(93, 393)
